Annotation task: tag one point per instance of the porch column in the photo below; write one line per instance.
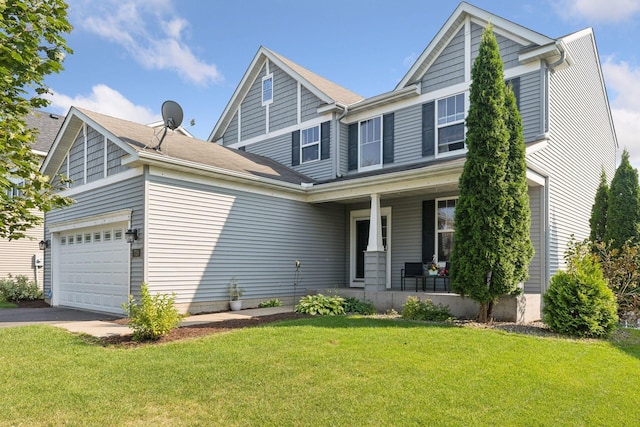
(375, 257)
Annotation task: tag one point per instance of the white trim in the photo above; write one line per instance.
(68, 184)
(299, 103)
(365, 214)
(437, 230)
(84, 163)
(122, 176)
(438, 154)
(239, 123)
(317, 143)
(280, 132)
(189, 175)
(145, 229)
(105, 160)
(122, 215)
(501, 31)
(467, 49)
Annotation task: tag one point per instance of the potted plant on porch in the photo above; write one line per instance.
(235, 293)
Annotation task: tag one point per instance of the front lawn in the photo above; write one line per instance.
(321, 371)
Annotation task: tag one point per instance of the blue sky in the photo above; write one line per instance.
(132, 55)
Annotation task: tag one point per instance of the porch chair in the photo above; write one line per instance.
(412, 270)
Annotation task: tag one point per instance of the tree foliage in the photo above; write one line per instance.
(491, 253)
(598, 220)
(31, 47)
(623, 212)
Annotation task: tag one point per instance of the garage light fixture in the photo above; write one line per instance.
(44, 244)
(131, 235)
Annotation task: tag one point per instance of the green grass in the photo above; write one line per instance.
(322, 371)
(6, 304)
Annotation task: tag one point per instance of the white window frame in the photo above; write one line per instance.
(264, 80)
(304, 145)
(451, 120)
(437, 225)
(374, 166)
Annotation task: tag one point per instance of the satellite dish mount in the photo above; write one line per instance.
(172, 118)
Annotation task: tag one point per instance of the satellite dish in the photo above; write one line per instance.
(172, 118)
(171, 114)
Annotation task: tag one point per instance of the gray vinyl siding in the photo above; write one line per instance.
(532, 104)
(508, 48)
(536, 282)
(128, 194)
(283, 112)
(309, 105)
(231, 134)
(61, 171)
(76, 161)
(408, 135)
(448, 68)
(581, 143)
(253, 114)
(279, 149)
(344, 152)
(114, 159)
(95, 155)
(200, 237)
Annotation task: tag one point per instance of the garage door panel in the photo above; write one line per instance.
(94, 274)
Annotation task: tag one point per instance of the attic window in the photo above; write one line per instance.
(267, 89)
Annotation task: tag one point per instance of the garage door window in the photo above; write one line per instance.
(78, 239)
(107, 235)
(97, 237)
(87, 238)
(63, 240)
(117, 234)
(70, 239)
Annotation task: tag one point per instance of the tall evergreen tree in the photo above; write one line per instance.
(623, 213)
(481, 266)
(598, 220)
(518, 225)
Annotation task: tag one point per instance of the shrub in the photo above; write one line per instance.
(320, 304)
(275, 302)
(153, 317)
(19, 288)
(354, 305)
(416, 309)
(578, 301)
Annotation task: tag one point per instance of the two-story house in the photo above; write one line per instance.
(299, 168)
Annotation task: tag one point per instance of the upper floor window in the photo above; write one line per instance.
(370, 144)
(267, 89)
(450, 123)
(310, 144)
(15, 191)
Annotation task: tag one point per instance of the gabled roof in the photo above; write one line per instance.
(140, 140)
(47, 125)
(326, 90)
(452, 26)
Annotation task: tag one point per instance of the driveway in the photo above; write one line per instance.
(31, 316)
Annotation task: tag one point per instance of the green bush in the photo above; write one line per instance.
(19, 288)
(153, 317)
(275, 302)
(578, 301)
(416, 309)
(354, 305)
(320, 304)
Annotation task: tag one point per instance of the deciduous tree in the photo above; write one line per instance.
(31, 47)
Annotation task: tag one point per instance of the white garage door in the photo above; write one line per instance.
(93, 268)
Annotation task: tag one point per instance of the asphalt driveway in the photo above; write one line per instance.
(31, 316)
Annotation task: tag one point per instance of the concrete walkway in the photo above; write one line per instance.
(102, 325)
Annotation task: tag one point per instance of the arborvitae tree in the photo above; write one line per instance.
(519, 211)
(623, 213)
(598, 220)
(482, 266)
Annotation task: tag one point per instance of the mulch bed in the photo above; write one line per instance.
(38, 303)
(196, 331)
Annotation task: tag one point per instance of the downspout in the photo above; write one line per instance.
(563, 57)
(345, 111)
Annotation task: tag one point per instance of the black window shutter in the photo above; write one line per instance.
(353, 147)
(428, 130)
(295, 148)
(515, 85)
(325, 140)
(387, 138)
(428, 230)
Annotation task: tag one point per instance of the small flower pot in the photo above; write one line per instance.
(235, 305)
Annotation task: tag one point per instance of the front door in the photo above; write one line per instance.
(359, 241)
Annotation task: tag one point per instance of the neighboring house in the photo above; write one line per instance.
(298, 167)
(23, 256)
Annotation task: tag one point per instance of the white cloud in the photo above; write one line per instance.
(150, 33)
(105, 100)
(598, 10)
(623, 82)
